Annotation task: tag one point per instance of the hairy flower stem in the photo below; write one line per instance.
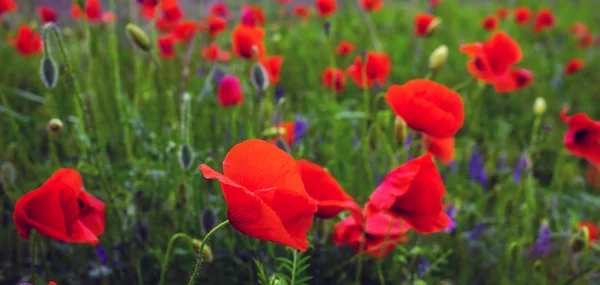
(201, 250)
(168, 253)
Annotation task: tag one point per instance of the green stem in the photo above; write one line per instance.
(294, 267)
(32, 249)
(199, 259)
(166, 260)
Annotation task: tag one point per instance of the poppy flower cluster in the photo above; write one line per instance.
(376, 68)
(492, 62)
(582, 35)
(60, 209)
(582, 137)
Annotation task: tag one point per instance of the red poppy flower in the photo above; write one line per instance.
(592, 229)
(544, 19)
(244, 39)
(323, 188)
(442, 149)
(109, 17)
(425, 24)
(184, 31)
(522, 15)
(371, 5)
(93, 11)
(573, 66)
(489, 23)
(429, 107)
(28, 42)
(212, 53)
(60, 209)
(148, 9)
(51, 283)
(230, 91)
(220, 9)
(171, 12)
(301, 11)
(514, 80)
(273, 66)
(47, 14)
(592, 176)
(583, 136)
(76, 12)
(334, 78)
(377, 68)
(435, 3)
(264, 194)
(382, 233)
(412, 192)
(253, 16)
(502, 13)
(344, 48)
(579, 29)
(326, 8)
(166, 46)
(7, 6)
(216, 25)
(585, 41)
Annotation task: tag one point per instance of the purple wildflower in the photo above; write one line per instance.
(101, 254)
(327, 27)
(451, 210)
(477, 231)
(477, 167)
(218, 75)
(300, 128)
(279, 92)
(523, 164)
(542, 246)
(423, 265)
(547, 128)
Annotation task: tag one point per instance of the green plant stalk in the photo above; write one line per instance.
(32, 246)
(165, 262)
(199, 259)
(293, 280)
(365, 146)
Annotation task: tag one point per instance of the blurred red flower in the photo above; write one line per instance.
(325, 190)
(381, 233)
(582, 139)
(489, 23)
(166, 46)
(326, 8)
(301, 11)
(7, 6)
(442, 149)
(93, 11)
(76, 12)
(273, 66)
(344, 48)
(61, 210)
(502, 13)
(184, 31)
(377, 68)
(334, 78)
(213, 53)
(425, 24)
(216, 25)
(592, 176)
(592, 229)
(371, 5)
(230, 91)
(264, 193)
(220, 9)
(412, 192)
(244, 39)
(253, 15)
(522, 15)
(544, 19)
(428, 107)
(573, 66)
(148, 9)
(282, 1)
(28, 42)
(109, 17)
(47, 14)
(434, 3)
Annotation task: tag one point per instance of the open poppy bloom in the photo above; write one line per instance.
(425, 24)
(371, 5)
(377, 68)
(216, 25)
(7, 6)
(301, 11)
(76, 12)
(253, 16)
(213, 53)
(166, 46)
(515, 79)
(28, 42)
(428, 107)
(93, 11)
(220, 9)
(489, 23)
(412, 192)
(244, 39)
(583, 136)
(334, 78)
(230, 91)
(344, 48)
(273, 66)
(326, 8)
(184, 31)
(592, 229)
(544, 19)
(442, 149)
(579, 28)
(293, 131)
(573, 66)
(381, 232)
(502, 13)
(61, 210)
(323, 188)
(492, 61)
(47, 14)
(264, 193)
(522, 15)
(148, 8)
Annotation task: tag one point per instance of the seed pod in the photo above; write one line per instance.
(438, 58)
(207, 255)
(48, 72)
(539, 106)
(259, 77)
(55, 126)
(138, 37)
(400, 130)
(185, 157)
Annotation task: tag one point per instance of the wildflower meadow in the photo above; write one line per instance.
(292, 142)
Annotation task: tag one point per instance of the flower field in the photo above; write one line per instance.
(290, 142)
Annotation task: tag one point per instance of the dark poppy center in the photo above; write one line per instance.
(521, 80)
(479, 64)
(580, 136)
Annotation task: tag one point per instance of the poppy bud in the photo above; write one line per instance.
(539, 106)
(48, 72)
(185, 157)
(438, 57)
(207, 255)
(55, 125)
(138, 37)
(274, 132)
(433, 26)
(259, 77)
(281, 144)
(399, 130)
